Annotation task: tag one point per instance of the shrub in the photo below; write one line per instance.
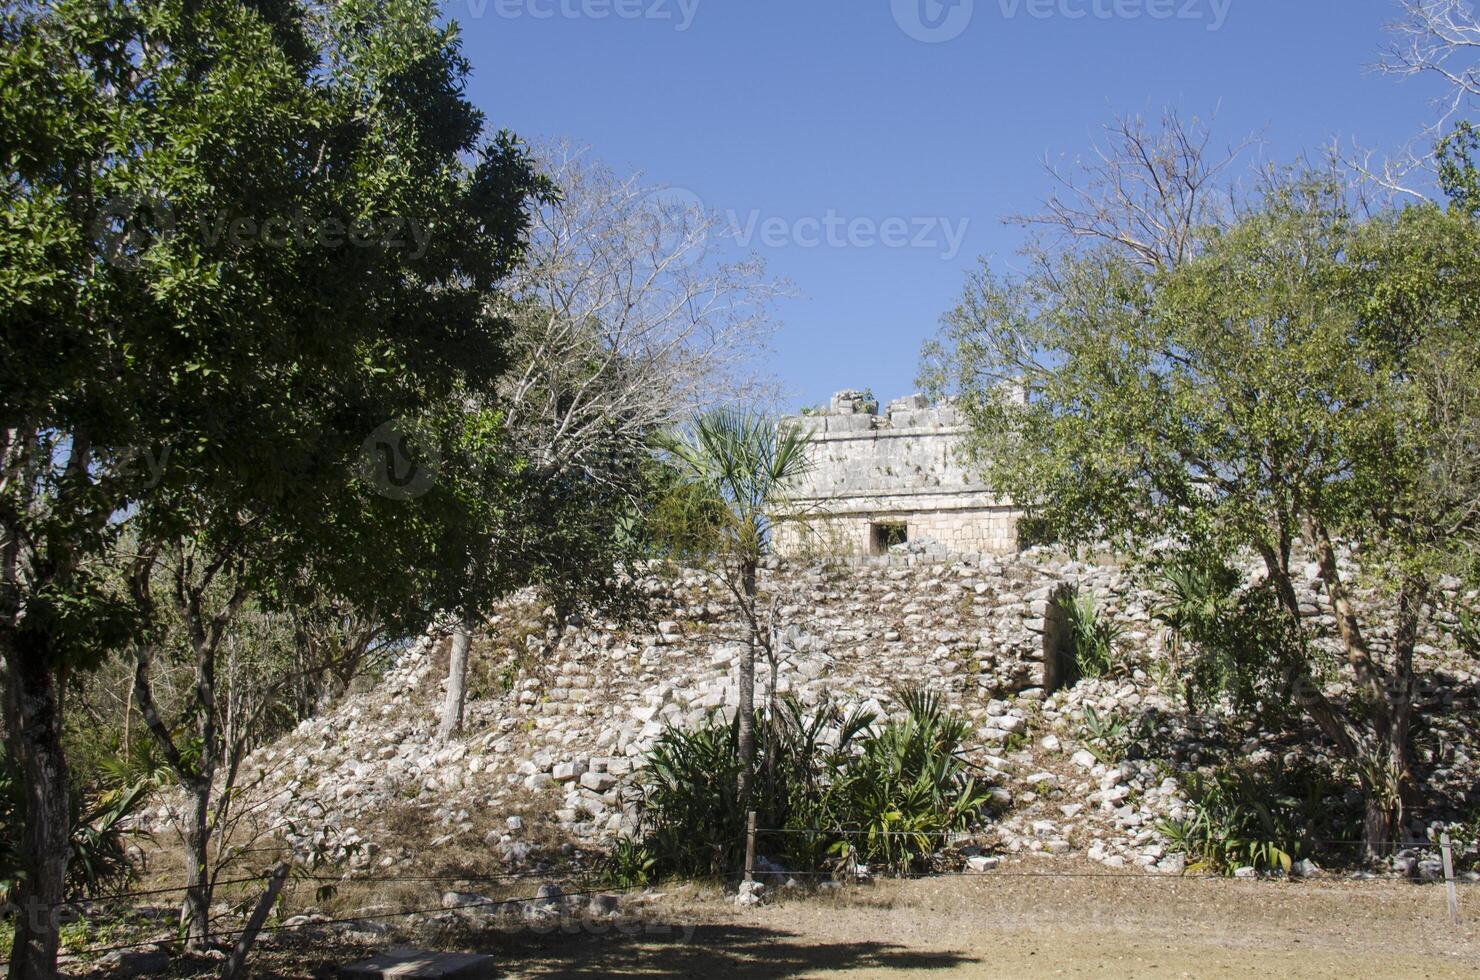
(99, 858)
(1227, 640)
(1266, 818)
(830, 787)
(907, 788)
(1466, 631)
(690, 802)
(1106, 737)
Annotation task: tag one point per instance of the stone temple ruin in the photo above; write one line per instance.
(892, 481)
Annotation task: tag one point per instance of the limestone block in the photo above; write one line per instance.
(567, 772)
(849, 423)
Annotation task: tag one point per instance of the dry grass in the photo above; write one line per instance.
(1026, 922)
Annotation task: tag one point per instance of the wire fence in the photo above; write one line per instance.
(948, 837)
(589, 884)
(482, 904)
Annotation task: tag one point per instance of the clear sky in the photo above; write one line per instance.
(910, 127)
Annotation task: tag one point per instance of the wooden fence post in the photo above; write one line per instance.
(1448, 853)
(750, 846)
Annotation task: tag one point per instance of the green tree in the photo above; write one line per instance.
(236, 240)
(1303, 380)
(742, 463)
(1458, 174)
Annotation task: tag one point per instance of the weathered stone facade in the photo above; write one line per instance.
(555, 741)
(891, 480)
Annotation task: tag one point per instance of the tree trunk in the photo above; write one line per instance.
(1377, 825)
(1391, 781)
(195, 910)
(746, 707)
(236, 963)
(197, 782)
(34, 733)
(457, 680)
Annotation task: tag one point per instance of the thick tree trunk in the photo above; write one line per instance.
(34, 732)
(1387, 778)
(197, 782)
(1391, 781)
(195, 911)
(457, 680)
(1377, 825)
(746, 707)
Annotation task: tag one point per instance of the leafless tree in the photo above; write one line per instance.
(1437, 39)
(627, 317)
(1145, 189)
(630, 315)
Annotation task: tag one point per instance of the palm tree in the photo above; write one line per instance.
(743, 462)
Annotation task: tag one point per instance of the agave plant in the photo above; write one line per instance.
(908, 787)
(1226, 640)
(690, 801)
(1264, 819)
(1095, 638)
(1466, 631)
(1105, 736)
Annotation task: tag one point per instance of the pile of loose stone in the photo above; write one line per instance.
(556, 735)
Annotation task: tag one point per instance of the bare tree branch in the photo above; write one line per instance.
(1146, 191)
(627, 321)
(1438, 39)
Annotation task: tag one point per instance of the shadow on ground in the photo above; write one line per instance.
(661, 949)
(706, 951)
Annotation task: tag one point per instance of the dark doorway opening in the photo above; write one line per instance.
(887, 536)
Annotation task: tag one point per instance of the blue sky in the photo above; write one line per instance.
(806, 111)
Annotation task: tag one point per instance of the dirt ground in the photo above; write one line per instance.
(1010, 925)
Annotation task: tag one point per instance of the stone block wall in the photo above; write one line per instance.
(877, 475)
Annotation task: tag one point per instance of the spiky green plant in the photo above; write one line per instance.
(1266, 818)
(1228, 640)
(99, 838)
(841, 788)
(1095, 638)
(908, 787)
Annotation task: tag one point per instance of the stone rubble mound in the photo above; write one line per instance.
(556, 732)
